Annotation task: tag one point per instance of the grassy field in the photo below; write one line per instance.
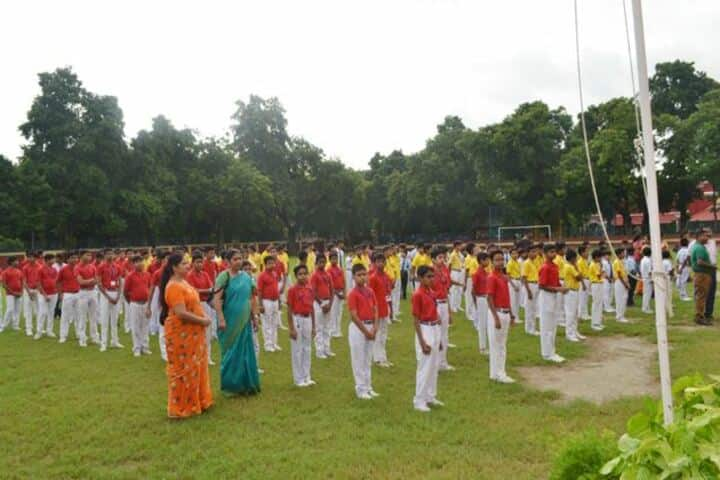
(67, 412)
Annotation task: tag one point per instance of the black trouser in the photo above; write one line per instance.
(633, 283)
(403, 283)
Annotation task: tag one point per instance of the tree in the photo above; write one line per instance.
(677, 87)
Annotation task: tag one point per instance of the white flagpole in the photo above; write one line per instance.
(653, 212)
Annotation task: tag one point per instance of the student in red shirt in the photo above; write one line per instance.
(321, 285)
(153, 306)
(428, 340)
(301, 324)
(85, 272)
(364, 313)
(198, 278)
(137, 293)
(381, 285)
(31, 281)
(109, 278)
(47, 298)
(249, 268)
(441, 286)
(337, 276)
(69, 292)
(269, 300)
(210, 265)
(549, 284)
(12, 281)
(479, 295)
(501, 317)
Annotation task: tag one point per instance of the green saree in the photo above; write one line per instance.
(238, 369)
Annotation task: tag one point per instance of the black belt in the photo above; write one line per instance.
(432, 324)
(300, 315)
(368, 322)
(502, 310)
(442, 301)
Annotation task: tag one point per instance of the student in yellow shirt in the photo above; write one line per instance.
(392, 268)
(310, 249)
(560, 302)
(596, 275)
(622, 287)
(457, 274)
(256, 259)
(514, 281)
(529, 276)
(572, 279)
(284, 257)
(421, 258)
(264, 254)
(582, 267)
(470, 266)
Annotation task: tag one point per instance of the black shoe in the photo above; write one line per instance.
(704, 321)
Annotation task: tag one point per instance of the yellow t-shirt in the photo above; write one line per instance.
(257, 260)
(619, 269)
(539, 261)
(582, 266)
(513, 269)
(366, 260)
(595, 272)
(285, 259)
(311, 262)
(471, 264)
(421, 259)
(559, 260)
(264, 254)
(392, 267)
(530, 270)
(570, 274)
(455, 260)
(358, 261)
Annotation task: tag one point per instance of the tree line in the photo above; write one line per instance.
(80, 183)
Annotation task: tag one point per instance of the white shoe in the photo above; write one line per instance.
(598, 328)
(38, 336)
(535, 333)
(260, 370)
(556, 359)
(365, 396)
(330, 354)
(422, 408)
(572, 339)
(269, 349)
(62, 340)
(277, 348)
(447, 368)
(436, 403)
(136, 354)
(581, 336)
(29, 334)
(321, 356)
(302, 384)
(95, 341)
(311, 382)
(51, 335)
(373, 394)
(83, 343)
(505, 379)
(147, 352)
(451, 345)
(103, 348)
(623, 320)
(211, 363)
(283, 327)
(116, 345)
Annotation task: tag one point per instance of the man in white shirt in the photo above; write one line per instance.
(712, 252)
(646, 274)
(683, 269)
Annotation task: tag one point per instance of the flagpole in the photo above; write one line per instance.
(653, 213)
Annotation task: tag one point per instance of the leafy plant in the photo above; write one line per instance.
(689, 448)
(584, 455)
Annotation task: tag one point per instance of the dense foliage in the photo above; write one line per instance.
(80, 182)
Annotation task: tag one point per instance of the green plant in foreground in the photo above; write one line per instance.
(689, 448)
(584, 455)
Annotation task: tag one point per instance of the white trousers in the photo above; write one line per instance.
(69, 314)
(336, 312)
(12, 312)
(323, 326)
(109, 314)
(531, 306)
(30, 309)
(607, 295)
(571, 314)
(87, 313)
(379, 351)
(270, 321)
(301, 349)
(456, 290)
(46, 314)
(498, 344)
(548, 323)
(515, 296)
(395, 298)
(682, 282)
(140, 324)
(428, 365)
(560, 308)
(583, 299)
(647, 294)
(361, 359)
(597, 304)
(155, 310)
(481, 315)
(443, 310)
(621, 296)
(469, 304)
(209, 331)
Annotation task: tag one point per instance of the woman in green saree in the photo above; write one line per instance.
(233, 303)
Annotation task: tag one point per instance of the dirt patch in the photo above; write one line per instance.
(615, 367)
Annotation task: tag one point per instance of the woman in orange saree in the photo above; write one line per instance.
(184, 321)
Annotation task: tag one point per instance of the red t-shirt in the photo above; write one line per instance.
(155, 278)
(549, 275)
(441, 283)
(137, 286)
(13, 278)
(86, 272)
(337, 277)
(362, 300)
(497, 288)
(300, 299)
(267, 285)
(424, 306)
(379, 284)
(31, 272)
(109, 275)
(211, 268)
(154, 266)
(68, 280)
(279, 270)
(48, 280)
(321, 284)
(201, 281)
(479, 281)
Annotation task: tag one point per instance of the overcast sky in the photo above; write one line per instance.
(355, 77)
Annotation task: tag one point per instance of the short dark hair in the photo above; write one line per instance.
(665, 254)
(136, 259)
(49, 256)
(268, 258)
(570, 255)
(549, 247)
(436, 252)
(299, 268)
(424, 270)
(197, 256)
(245, 263)
(597, 253)
(378, 256)
(320, 258)
(482, 256)
(646, 252)
(684, 242)
(495, 252)
(333, 255)
(582, 249)
(302, 256)
(358, 267)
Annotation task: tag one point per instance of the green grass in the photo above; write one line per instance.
(67, 412)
